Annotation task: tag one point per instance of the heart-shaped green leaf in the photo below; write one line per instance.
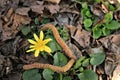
(31, 75)
(108, 17)
(97, 32)
(97, 58)
(88, 75)
(48, 74)
(113, 25)
(87, 22)
(60, 59)
(79, 62)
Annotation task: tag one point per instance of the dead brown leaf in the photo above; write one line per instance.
(38, 7)
(117, 15)
(75, 50)
(116, 39)
(14, 76)
(54, 1)
(53, 8)
(11, 28)
(104, 8)
(22, 11)
(116, 73)
(82, 37)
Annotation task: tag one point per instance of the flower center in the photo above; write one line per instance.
(39, 45)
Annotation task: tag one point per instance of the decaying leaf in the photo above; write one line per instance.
(111, 43)
(15, 76)
(22, 11)
(53, 8)
(82, 37)
(116, 73)
(11, 28)
(110, 64)
(54, 1)
(38, 7)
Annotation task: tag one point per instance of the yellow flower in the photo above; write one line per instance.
(39, 44)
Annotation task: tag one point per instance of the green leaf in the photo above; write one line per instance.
(84, 5)
(81, 69)
(106, 31)
(97, 58)
(45, 21)
(53, 44)
(36, 21)
(67, 78)
(97, 32)
(31, 75)
(88, 14)
(85, 63)
(48, 74)
(87, 22)
(25, 30)
(60, 59)
(88, 75)
(113, 25)
(79, 62)
(108, 17)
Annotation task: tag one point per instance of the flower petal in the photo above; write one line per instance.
(30, 50)
(31, 41)
(47, 49)
(36, 53)
(41, 35)
(36, 37)
(31, 46)
(47, 40)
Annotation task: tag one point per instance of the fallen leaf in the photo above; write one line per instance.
(117, 15)
(82, 37)
(53, 8)
(116, 39)
(8, 14)
(14, 76)
(110, 63)
(22, 11)
(54, 1)
(11, 28)
(104, 8)
(111, 44)
(38, 8)
(96, 10)
(116, 73)
(71, 29)
(113, 1)
(75, 50)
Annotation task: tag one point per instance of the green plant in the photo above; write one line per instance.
(104, 28)
(31, 75)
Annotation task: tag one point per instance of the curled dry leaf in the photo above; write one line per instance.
(110, 63)
(104, 8)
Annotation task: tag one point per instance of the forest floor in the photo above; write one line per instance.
(90, 28)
